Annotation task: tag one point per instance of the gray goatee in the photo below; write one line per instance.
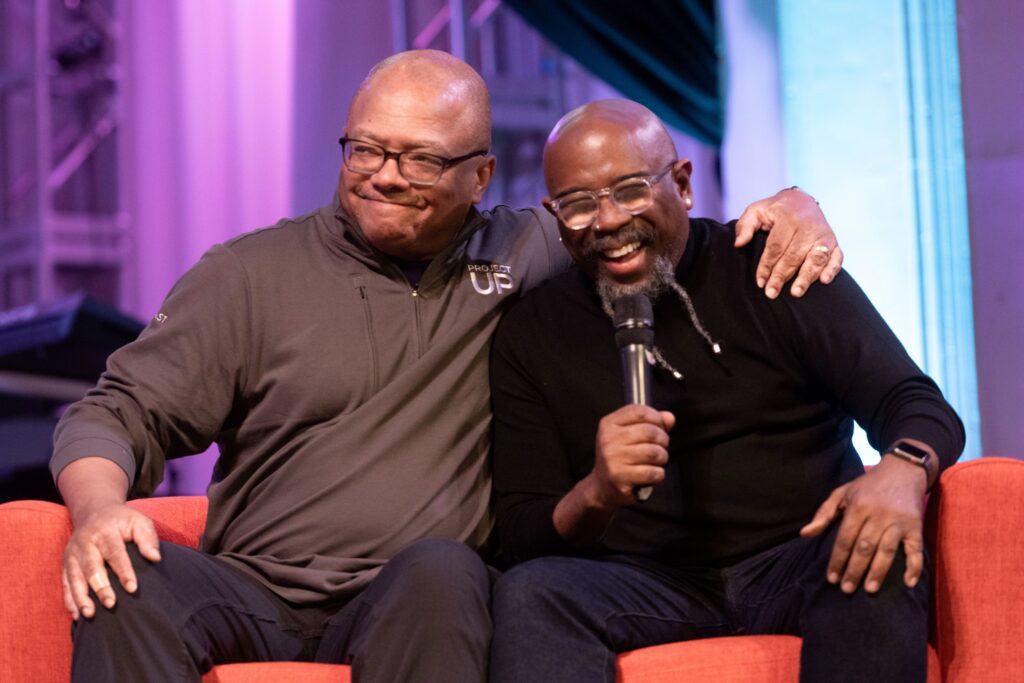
(660, 280)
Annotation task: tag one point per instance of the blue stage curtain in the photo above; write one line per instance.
(661, 53)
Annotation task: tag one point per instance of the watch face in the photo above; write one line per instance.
(911, 449)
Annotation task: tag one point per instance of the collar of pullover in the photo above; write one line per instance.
(695, 242)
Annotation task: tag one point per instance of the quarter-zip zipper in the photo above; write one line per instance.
(416, 320)
(357, 281)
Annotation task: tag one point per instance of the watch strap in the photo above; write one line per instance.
(914, 454)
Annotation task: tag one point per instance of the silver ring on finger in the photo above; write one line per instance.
(99, 581)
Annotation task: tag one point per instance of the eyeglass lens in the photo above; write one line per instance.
(416, 167)
(631, 196)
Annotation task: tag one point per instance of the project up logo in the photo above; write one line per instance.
(491, 278)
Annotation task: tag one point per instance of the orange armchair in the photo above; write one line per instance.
(975, 527)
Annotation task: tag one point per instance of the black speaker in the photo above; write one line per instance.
(50, 355)
(69, 338)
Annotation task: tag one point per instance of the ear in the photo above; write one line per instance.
(484, 173)
(681, 172)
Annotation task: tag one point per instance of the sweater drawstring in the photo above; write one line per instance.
(657, 358)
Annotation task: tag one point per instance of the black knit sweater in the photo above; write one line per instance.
(763, 430)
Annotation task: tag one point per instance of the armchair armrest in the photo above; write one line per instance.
(34, 626)
(976, 534)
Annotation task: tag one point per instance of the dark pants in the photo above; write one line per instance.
(565, 619)
(425, 617)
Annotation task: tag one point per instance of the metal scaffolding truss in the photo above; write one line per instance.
(528, 79)
(63, 227)
(523, 70)
(64, 174)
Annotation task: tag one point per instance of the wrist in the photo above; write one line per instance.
(915, 454)
(85, 510)
(595, 495)
(89, 485)
(581, 517)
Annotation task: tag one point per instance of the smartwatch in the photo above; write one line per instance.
(911, 453)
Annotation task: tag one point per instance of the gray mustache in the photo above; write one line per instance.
(633, 232)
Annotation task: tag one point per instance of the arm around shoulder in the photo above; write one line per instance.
(800, 242)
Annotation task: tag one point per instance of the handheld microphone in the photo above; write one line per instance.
(634, 335)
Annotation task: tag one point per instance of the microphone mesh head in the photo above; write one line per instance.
(634, 320)
(633, 311)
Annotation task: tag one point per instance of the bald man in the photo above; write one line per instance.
(339, 361)
(761, 520)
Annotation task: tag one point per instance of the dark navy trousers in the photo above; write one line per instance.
(566, 619)
(425, 617)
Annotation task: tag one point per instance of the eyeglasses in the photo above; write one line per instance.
(419, 168)
(579, 210)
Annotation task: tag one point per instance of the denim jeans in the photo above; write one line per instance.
(425, 617)
(566, 619)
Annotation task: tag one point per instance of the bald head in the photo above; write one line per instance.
(436, 79)
(594, 124)
(621, 195)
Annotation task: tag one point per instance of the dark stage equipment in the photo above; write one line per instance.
(50, 355)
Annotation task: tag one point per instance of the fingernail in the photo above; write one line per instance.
(771, 292)
(848, 587)
(826, 279)
(760, 282)
(108, 602)
(130, 586)
(871, 586)
(833, 577)
(797, 290)
(912, 582)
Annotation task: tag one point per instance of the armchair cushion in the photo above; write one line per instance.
(735, 659)
(976, 535)
(975, 522)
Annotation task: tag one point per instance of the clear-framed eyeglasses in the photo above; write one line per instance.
(579, 210)
(419, 168)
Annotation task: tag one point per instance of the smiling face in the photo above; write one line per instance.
(429, 102)
(597, 146)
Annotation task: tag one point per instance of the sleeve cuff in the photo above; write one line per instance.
(93, 447)
(947, 446)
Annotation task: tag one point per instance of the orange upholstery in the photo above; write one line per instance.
(35, 629)
(767, 659)
(737, 659)
(279, 672)
(975, 525)
(976, 532)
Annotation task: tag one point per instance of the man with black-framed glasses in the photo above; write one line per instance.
(339, 361)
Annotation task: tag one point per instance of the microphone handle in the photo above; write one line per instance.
(637, 373)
